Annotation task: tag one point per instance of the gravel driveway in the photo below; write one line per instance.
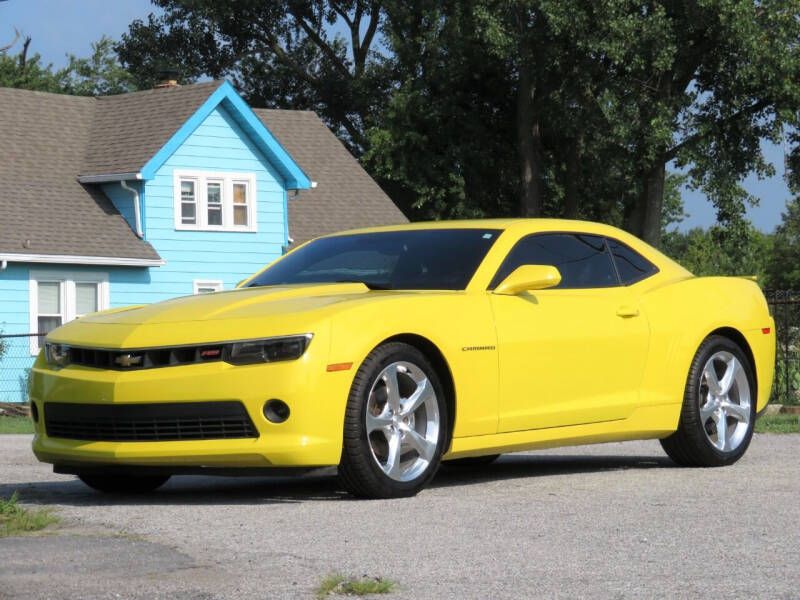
(608, 521)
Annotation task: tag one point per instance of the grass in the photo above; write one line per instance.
(343, 585)
(15, 520)
(16, 425)
(780, 423)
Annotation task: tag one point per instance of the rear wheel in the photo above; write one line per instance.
(395, 424)
(719, 406)
(116, 483)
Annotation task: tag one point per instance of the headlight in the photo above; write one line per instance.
(274, 349)
(57, 354)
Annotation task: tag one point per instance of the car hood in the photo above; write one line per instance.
(235, 304)
(245, 313)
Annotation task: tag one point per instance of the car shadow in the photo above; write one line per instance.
(215, 490)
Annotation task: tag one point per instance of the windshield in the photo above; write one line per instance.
(423, 259)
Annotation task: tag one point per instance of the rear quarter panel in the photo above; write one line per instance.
(684, 313)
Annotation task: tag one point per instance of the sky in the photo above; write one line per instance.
(61, 27)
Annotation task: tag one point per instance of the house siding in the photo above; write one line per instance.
(123, 200)
(218, 144)
(14, 320)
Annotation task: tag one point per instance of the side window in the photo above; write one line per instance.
(582, 260)
(631, 265)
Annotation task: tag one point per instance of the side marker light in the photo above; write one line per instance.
(339, 367)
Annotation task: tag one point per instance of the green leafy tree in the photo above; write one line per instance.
(710, 252)
(440, 146)
(100, 74)
(783, 267)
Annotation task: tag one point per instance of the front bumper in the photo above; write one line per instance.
(311, 437)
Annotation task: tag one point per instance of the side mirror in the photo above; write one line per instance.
(529, 277)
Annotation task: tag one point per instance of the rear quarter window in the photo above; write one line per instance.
(631, 266)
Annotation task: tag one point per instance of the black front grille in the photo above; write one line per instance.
(148, 422)
(146, 358)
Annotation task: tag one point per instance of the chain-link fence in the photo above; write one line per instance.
(785, 308)
(16, 359)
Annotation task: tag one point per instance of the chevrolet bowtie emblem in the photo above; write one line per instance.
(128, 360)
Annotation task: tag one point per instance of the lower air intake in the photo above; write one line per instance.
(148, 422)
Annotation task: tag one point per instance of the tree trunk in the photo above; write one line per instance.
(632, 218)
(571, 200)
(651, 202)
(528, 142)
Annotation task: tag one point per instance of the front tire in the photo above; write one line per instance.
(395, 424)
(113, 483)
(719, 407)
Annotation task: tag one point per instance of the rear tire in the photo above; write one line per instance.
(719, 407)
(395, 424)
(111, 483)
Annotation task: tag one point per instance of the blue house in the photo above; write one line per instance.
(140, 197)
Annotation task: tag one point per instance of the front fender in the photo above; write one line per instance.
(454, 322)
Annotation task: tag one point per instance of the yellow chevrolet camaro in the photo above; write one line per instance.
(387, 350)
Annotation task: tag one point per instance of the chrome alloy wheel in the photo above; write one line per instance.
(725, 410)
(403, 422)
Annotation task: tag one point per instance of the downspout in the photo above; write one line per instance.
(136, 209)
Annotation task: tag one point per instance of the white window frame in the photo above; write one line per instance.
(201, 180)
(67, 281)
(206, 283)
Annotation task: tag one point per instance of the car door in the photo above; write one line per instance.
(571, 354)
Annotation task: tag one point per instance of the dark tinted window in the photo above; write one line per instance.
(582, 260)
(631, 265)
(431, 259)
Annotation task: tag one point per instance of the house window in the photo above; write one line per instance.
(188, 202)
(207, 287)
(211, 201)
(59, 297)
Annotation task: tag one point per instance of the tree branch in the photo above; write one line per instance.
(355, 31)
(23, 56)
(284, 58)
(17, 35)
(322, 45)
(369, 35)
(692, 139)
(342, 13)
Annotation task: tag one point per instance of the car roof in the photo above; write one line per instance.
(522, 226)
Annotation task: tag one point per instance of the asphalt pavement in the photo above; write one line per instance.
(606, 521)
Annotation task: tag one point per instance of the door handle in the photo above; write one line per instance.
(627, 311)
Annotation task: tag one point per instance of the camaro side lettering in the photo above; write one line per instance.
(471, 348)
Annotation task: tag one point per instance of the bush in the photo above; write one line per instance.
(780, 393)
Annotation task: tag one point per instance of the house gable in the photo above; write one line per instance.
(249, 124)
(218, 149)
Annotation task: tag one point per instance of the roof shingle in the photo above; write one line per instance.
(346, 197)
(43, 208)
(128, 129)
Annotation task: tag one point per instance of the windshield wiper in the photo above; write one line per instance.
(370, 284)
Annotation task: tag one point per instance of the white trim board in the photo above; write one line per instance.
(68, 259)
(226, 179)
(206, 283)
(67, 299)
(107, 178)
